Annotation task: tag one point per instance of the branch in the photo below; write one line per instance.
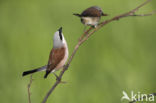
(149, 14)
(29, 85)
(153, 94)
(85, 37)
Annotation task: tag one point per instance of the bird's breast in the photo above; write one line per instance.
(90, 20)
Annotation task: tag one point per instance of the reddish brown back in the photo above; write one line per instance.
(93, 12)
(55, 57)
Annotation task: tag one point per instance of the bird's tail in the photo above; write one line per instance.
(34, 70)
(77, 14)
(104, 14)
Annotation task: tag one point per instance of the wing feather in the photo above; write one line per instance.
(55, 57)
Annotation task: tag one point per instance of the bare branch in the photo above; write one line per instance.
(50, 91)
(29, 85)
(85, 37)
(149, 14)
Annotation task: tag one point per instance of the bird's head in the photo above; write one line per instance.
(58, 39)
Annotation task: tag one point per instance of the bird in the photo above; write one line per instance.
(91, 16)
(57, 58)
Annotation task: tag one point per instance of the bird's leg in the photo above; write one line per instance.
(95, 26)
(59, 79)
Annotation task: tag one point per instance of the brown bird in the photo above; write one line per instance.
(57, 58)
(91, 16)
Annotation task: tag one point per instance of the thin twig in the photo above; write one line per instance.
(153, 94)
(29, 85)
(87, 34)
(149, 14)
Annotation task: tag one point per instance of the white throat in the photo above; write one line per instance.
(57, 42)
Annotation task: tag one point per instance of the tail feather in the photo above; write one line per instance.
(104, 14)
(29, 72)
(77, 14)
(34, 70)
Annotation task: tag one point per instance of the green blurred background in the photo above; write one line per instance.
(120, 56)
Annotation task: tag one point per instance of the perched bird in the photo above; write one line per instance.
(58, 55)
(91, 16)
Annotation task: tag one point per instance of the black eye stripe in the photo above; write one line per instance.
(60, 34)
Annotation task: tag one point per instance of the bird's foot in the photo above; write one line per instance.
(59, 79)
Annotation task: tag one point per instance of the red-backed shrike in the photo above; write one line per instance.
(58, 55)
(91, 16)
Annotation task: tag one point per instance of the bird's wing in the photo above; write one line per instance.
(98, 8)
(55, 57)
(91, 12)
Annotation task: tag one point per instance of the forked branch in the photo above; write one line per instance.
(87, 34)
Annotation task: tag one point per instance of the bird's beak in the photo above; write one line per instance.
(60, 30)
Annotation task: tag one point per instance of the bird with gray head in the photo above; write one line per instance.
(91, 16)
(57, 58)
